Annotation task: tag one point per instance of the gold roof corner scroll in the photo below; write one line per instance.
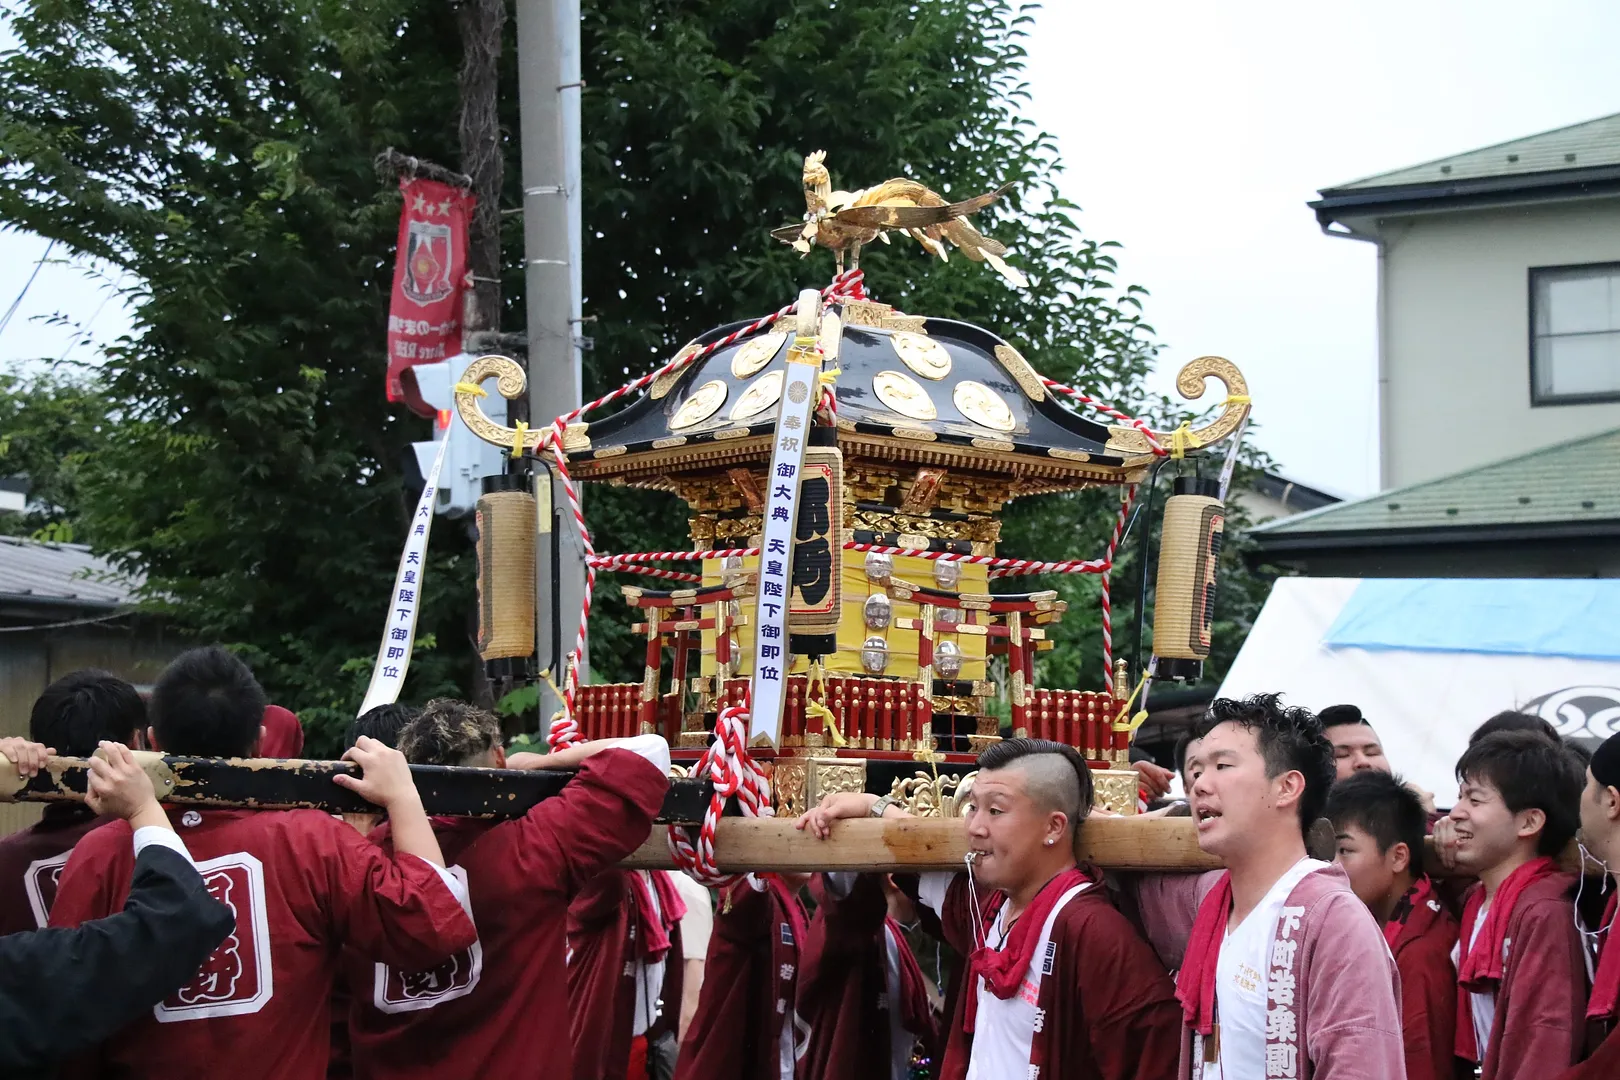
(1190, 383)
(511, 383)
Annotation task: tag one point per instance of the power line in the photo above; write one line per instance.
(5, 320)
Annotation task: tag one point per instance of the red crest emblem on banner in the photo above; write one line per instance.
(427, 262)
(430, 274)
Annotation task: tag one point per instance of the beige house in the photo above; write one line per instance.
(1498, 298)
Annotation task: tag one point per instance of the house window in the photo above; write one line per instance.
(1575, 334)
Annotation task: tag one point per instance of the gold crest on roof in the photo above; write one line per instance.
(902, 394)
(764, 393)
(704, 403)
(756, 353)
(922, 354)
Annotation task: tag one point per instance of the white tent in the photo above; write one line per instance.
(1427, 660)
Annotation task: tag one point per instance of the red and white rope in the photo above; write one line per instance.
(845, 286)
(674, 556)
(1104, 407)
(1126, 498)
(727, 764)
(1000, 567)
(1067, 566)
(607, 566)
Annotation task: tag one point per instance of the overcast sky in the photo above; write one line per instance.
(1194, 133)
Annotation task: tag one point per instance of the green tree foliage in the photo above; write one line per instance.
(47, 426)
(219, 151)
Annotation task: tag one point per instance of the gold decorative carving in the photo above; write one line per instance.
(730, 433)
(926, 795)
(983, 406)
(1068, 455)
(610, 451)
(999, 445)
(755, 353)
(1190, 383)
(800, 783)
(922, 354)
(575, 437)
(915, 434)
(662, 385)
(760, 396)
(748, 487)
(901, 393)
(865, 312)
(510, 383)
(701, 404)
(1025, 376)
(909, 324)
(667, 444)
(1114, 789)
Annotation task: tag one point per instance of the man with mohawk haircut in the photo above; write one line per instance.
(474, 1014)
(1059, 985)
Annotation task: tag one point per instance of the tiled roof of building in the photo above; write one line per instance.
(67, 574)
(1569, 483)
(1588, 145)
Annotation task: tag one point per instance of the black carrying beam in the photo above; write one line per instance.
(291, 784)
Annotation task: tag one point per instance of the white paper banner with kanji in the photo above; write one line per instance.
(772, 658)
(399, 631)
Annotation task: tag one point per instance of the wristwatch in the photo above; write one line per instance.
(882, 805)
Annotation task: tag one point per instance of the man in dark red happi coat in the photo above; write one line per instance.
(624, 970)
(72, 717)
(860, 990)
(746, 1026)
(1059, 984)
(1600, 832)
(474, 1014)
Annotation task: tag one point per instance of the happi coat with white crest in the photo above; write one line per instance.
(1334, 980)
(1105, 1007)
(474, 1014)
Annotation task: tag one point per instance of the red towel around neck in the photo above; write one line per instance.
(656, 924)
(1195, 982)
(1480, 970)
(1003, 969)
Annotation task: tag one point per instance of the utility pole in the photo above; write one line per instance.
(548, 102)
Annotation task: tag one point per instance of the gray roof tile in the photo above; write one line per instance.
(61, 573)
(1592, 144)
(1570, 482)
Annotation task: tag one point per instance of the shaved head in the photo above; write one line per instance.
(1055, 776)
(1051, 784)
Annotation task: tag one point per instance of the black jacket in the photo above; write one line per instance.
(62, 991)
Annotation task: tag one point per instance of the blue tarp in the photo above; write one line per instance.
(1544, 617)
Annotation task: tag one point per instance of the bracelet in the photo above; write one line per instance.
(882, 805)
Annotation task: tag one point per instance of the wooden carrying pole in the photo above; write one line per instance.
(741, 844)
(918, 844)
(292, 784)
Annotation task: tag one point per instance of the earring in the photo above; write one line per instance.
(1049, 842)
